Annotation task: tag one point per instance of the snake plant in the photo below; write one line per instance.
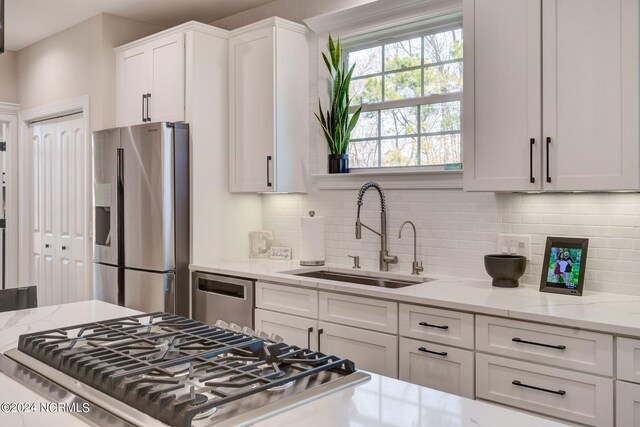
(335, 122)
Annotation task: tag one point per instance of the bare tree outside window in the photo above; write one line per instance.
(411, 93)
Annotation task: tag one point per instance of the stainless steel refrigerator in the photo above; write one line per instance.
(141, 217)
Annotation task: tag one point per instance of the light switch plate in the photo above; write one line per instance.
(518, 244)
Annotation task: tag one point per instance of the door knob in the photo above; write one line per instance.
(47, 246)
(64, 248)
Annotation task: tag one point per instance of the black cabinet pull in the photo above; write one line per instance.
(268, 174)
(320, 332)
(557, 347)
(47, 245)
(532, 142)
(546, 390)
(429, 325)
(64, 248)
(144, 98)
(148, 98)
(439, 353)
(309, 330)
(548, 144)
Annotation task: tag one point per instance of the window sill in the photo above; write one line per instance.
(390, 179)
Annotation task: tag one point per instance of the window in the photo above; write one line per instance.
(410, 89)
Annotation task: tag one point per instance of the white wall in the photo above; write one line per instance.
(8, 77)
(77, 61)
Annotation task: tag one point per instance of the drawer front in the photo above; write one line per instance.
(573, 396)
(627, 404)
(629, 359)
(441, 326)
(287, 299)
(564, 347)
(377, 315)
(437, 366)
(370, 351)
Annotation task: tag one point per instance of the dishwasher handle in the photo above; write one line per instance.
(225, 286)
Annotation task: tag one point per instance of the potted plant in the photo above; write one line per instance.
(335, 123)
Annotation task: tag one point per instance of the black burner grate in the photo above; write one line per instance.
(174, 368)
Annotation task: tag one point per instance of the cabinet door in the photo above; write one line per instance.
(252, 111)
(590, 73)
(293, 329)
(132, 82)
(370, 351)
(627, 404)
(502, 87)
(167, 79)
(436, 366)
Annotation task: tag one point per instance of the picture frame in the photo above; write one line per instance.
(564, 265)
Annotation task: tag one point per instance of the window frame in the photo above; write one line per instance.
(418, 29)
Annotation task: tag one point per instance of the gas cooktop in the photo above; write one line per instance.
(180, 371)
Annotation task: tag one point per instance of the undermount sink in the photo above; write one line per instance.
(382, 282)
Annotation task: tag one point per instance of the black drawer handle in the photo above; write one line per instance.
(309, 331)
(268, 174)
(320, 332)
(557, 347)
(546, 390)
(439, 353)
(532, 142)
(548, 173)
(429, 325)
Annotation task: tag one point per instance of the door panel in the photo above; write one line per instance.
(167, 79)
(132, 81)
(148, 201)
(293, 329)
(149, 292)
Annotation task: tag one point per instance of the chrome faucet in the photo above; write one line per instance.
(385, 258)
(415, 267)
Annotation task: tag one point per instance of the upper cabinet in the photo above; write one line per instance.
(150, 80)
(551, 95)
(268, 107)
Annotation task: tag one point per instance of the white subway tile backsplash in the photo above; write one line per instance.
(456, 229)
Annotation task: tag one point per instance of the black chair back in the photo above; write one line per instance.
(18, 298)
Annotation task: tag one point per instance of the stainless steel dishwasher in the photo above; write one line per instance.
(225, 298)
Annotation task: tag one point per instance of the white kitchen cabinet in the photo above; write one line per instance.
(268, 107)
(437, 366)
(627, 404)
(361, 312)
(293, 329)
(150, 84)
(551, 95)
(370, 351)
(287, 299)
(433, 324)
(628, 356)
(560, 393)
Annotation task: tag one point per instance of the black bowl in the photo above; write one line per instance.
(505, 269)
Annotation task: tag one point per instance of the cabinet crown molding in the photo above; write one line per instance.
(270, 22)
(187, 26)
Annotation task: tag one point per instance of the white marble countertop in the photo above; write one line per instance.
(380, 402)
(614, 313)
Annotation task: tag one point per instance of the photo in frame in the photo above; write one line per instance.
(564, 264)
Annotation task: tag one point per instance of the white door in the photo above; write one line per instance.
(370, 351)
(59, 210)
(502, 87)
(627, 404)
(252, 111)
(293, 329)
(167, 79)
(590, 73)
(132, 85)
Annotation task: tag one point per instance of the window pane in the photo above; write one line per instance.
(366, 90)
(440, 117)
(402, 85)
(399, 121)
(440, 149)
(443, 46)
(363, 154)
(367, 126)
(367, 61)
(402, 54)
(399, 152)
(443, 78)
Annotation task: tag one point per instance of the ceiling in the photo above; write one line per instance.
(28, 21)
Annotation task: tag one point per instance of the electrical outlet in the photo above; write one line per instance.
(515, 244)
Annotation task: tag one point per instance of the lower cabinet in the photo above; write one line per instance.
(627, 404)
(294, 330)
(572, 396)
(437, 366)
(370, 351)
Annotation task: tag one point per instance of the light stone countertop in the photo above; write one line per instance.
(606, 312)
(383, 402)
